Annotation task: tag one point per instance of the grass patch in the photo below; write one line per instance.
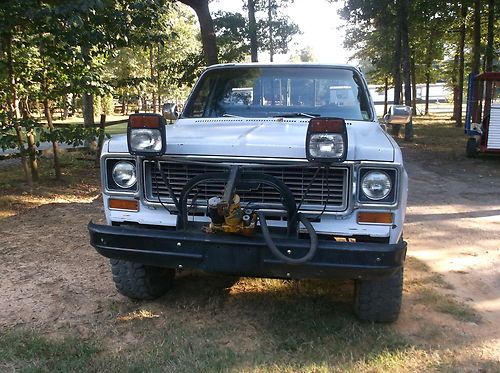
(116, 129)
(446, 304)
(250, 325)
(27, 351)
(437, 141)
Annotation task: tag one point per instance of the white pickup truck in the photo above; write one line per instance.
(265, 173)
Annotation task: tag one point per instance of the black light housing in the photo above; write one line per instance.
(326, 140)
(146, 134)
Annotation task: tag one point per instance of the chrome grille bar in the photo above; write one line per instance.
(332, 190)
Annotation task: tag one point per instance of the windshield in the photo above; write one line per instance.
(280, 91)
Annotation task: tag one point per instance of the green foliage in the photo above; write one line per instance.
(232, 36)
(107, 104)
(72, 135)
(165, 64)
(9, 139)
(273, 20)
(283, 31)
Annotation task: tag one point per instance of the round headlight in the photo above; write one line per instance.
(124, 174)
(376, 185)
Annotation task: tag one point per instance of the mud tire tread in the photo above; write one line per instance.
(379, 300)
(139, 281)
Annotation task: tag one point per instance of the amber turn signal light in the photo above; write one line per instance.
(145, 121)
(123, 204)
(375, 217)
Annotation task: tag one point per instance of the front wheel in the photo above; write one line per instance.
(139, 281)
(379, 300)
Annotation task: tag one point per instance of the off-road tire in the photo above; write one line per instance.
(139, 281)
(379, 300)
(471, 148)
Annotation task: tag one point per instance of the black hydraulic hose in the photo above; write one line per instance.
(288, 202)
(193, 182)
(274, 249)
(286, 194)
(169, 187)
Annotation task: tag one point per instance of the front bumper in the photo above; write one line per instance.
(245, 256)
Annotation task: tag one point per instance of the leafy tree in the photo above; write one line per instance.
(232, 36)
(14, 22)
(276, 31)
(252, 30)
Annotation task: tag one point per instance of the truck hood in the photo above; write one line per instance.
(263, 138)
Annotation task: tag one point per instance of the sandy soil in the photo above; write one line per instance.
(51, 279)
(453, 226)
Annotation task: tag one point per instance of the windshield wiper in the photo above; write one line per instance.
(226, 115)
(293, 115)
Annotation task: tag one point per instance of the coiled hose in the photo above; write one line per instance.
(274, 249)
(288, 203)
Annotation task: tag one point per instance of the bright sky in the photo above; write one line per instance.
(319, 22)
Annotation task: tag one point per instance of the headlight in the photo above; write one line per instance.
(376, 185)
(326, 140)
(124, 174)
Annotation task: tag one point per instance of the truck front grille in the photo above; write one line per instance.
(331, 188)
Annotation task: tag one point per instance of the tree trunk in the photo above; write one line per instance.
(100, 141)
(46, 108)
(428, 67)
(413, 86)
(489, 54)
(13, 105)
(30, 137)
(87, 98)
(72, 110)
(454, 84)
(158, 87)
(66, 107)
(208, 39)
(476, 56)
(152, 76)
(397, 75)
(476, 36)
(427, 89)
(405, 57)
(386, 89)
(461, 65)
(269, 20)
(123, 103)
(32, 156)
(252, 30)
(88, 109)
(48, 117)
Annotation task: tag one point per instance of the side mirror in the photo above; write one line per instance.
(398, 114)
(169, 111)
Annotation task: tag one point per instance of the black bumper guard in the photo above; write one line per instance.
(246, 256)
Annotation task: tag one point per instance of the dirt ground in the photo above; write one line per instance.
(52, 280)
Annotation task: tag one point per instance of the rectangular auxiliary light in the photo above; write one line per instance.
(326, 140)
(123, 204)
(146, 134)
(375, 217)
